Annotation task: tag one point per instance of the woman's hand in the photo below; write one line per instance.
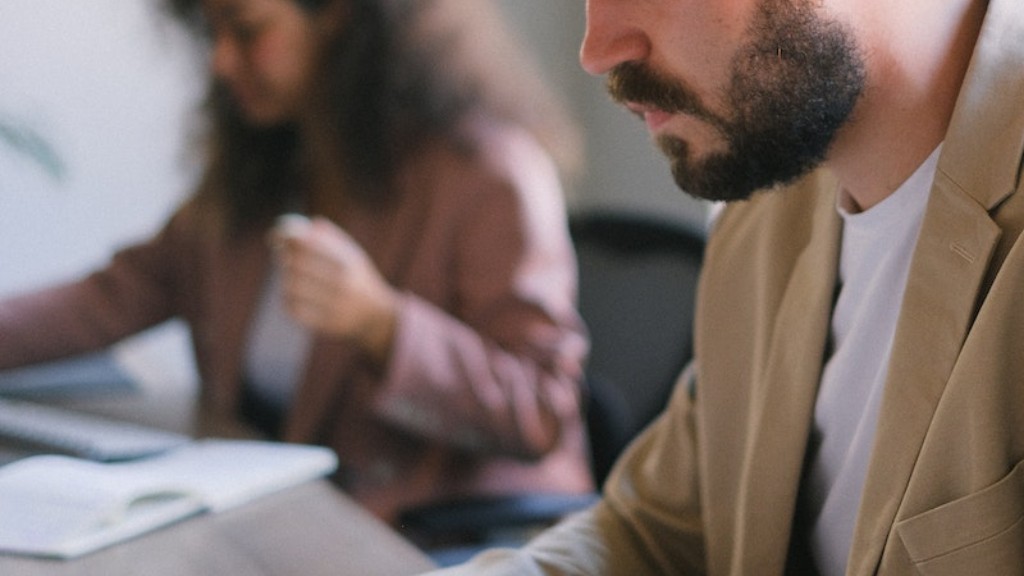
(332, 287)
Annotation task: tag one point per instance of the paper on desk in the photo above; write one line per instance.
(63, 507)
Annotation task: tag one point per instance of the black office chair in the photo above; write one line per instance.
(637, 279)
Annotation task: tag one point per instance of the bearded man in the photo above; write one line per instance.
(856, 403)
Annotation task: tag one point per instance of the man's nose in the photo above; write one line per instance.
(612, 36)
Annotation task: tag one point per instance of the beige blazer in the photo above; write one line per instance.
(711, 487)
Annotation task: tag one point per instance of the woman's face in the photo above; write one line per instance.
(263, 52)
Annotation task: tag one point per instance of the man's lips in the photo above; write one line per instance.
(654, 117)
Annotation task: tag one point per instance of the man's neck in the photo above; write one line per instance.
(914, 77)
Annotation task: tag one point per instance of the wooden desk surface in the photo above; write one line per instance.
(309, 530)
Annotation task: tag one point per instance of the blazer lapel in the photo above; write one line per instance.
(784, 402)
(951, 259)
(978, 169)
(239, 273)
(329, 361)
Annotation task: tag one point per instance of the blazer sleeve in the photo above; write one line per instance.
(134, 291)
(648, 521)
(499, 369)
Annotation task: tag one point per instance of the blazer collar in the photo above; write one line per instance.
(979, 167)
(985, 141)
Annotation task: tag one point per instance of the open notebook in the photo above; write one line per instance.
(63, 507)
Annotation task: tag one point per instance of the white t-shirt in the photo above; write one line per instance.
(877, 246)
(277, 348)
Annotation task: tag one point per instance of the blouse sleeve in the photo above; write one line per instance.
(133, 292)
(500, 370)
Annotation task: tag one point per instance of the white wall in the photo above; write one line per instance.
(110, 86)
(107, 85)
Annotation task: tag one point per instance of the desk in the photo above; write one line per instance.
(309, 530)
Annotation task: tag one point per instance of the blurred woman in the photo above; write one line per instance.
(422, 323)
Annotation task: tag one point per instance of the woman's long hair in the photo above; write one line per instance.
(397, 73)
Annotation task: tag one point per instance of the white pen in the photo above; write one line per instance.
(291, 225)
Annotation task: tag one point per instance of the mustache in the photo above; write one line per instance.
(638, 83)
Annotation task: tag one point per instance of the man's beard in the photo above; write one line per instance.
(791, 88)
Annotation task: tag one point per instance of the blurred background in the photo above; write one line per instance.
(96, 102)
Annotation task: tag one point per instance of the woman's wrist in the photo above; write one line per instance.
(377, 338)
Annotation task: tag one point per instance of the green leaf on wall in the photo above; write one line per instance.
(30, 144)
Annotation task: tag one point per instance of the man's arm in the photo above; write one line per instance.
(648, 522)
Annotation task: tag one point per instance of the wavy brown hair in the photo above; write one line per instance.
(398, 73)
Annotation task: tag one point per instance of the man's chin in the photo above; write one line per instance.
(716, 181)
(708, 178)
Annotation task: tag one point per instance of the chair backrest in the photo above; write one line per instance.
(638, 277)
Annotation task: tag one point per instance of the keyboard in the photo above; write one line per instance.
(52, 429)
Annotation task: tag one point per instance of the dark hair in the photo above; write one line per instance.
(391, 83)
